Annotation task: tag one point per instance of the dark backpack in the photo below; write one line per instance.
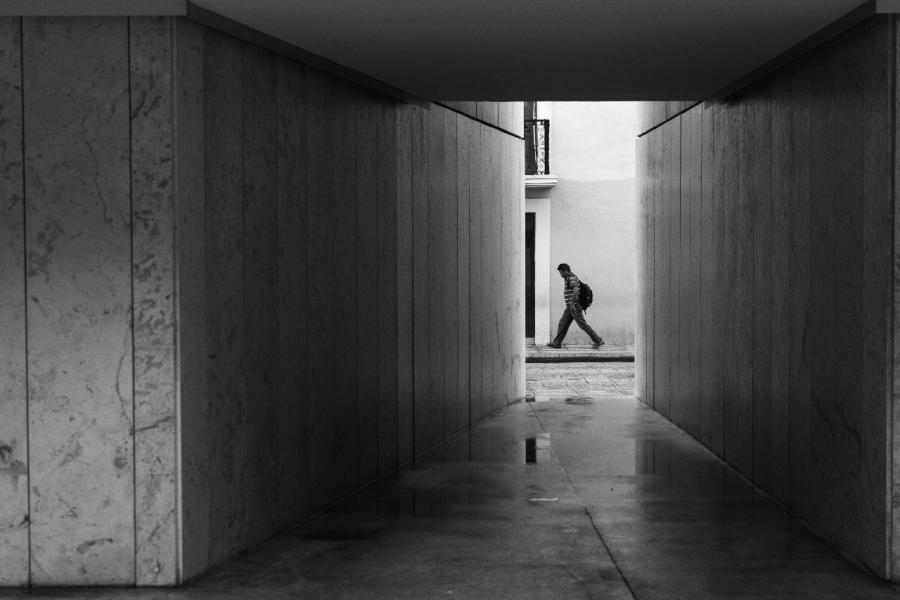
(585, 296)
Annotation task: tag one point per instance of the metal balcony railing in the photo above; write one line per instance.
(537, 146)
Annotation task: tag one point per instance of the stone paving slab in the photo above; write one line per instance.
(541, 353)
(578, 378)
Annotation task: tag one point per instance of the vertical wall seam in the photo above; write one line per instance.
(412, 217)
(500, 313)
(791, 358)
(682, 399)
(699, 138)
(25, 287)
(357, 113)
(396, 267)
(455, 286)
(469, 143)
(276, 201)
(242, 406)
(650, 376)
(176, 303)
(394, 233)
(890, 550)
(379, 247)
(772, 333)
(205, 39)
(754, 376)
(455, 281)
(412, 291)
(303, 147)
(412, 275)
(134, 501)
(426, 156)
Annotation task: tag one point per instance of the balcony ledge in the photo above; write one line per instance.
(540, 181)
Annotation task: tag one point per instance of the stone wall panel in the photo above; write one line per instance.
(404, 227)
(190, 235)
(78, 245)
(225, 431)
(14, 547)
(390, 300)
(152, 215)
(369, 300)
(261, 288)
(294, 346)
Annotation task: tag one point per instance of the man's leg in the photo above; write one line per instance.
(579, 318)
(563, 327)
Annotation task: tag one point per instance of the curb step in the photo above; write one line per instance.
(580, 358)
(544, 354)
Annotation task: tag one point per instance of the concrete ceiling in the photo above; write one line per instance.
(543, 49)
(523, 49)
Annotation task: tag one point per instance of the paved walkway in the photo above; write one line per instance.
(580, 493)
(559, 379)
(541, 353)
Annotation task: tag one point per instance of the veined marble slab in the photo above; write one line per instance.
(261, 315)
(226, 432)
(293, 347)
(435, 398)
(14, 548)
(193, 405)
(465, 131)
(404, 236)
(154, 298)
(388, 407)
(420, 266)
(476, 275)
(321, 284)
(456, 416)
(369, 300)
(78, 242)
(342, 441)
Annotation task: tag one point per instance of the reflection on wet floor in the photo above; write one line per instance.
(610, 501)
(535, 446)
(531, 451)
(579, 400)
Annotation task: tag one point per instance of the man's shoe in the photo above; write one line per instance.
(552, 345)
(597, 345)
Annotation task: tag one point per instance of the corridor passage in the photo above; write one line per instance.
(569, 495)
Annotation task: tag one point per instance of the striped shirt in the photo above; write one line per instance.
(571, 289)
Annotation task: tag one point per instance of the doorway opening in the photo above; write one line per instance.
(529, 274)
(580, 209)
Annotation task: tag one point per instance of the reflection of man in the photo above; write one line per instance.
(573, 311)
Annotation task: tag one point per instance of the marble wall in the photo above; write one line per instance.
(14, 510)
(87, 443)
(357, 282)
(234, 290)
(765, 311)
(78, 280)
(154, 318)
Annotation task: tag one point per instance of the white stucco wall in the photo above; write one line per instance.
(592, 215)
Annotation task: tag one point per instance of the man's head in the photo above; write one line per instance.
(564, 269)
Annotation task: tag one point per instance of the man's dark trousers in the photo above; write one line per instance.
(570, 314)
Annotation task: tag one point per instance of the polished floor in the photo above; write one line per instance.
(569, 495)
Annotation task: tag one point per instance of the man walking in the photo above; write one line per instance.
(573, 311)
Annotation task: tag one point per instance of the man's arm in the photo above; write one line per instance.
(576, 289)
